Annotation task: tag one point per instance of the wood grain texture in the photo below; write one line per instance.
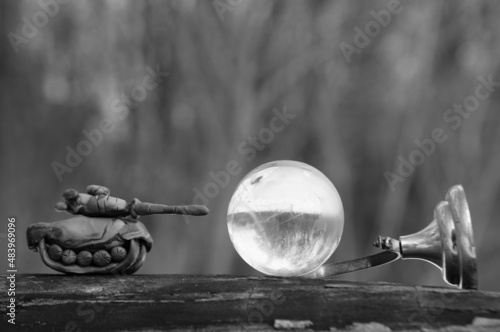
(228, 303)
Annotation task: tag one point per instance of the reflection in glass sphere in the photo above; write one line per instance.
(285, 218)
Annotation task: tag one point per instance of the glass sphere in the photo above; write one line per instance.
(285, 218)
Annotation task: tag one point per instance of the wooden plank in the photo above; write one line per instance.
(228, 303)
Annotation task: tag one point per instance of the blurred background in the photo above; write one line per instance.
(229, 65)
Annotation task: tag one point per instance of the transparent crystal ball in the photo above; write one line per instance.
(285, 218)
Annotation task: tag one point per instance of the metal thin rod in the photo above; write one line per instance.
(329, 270)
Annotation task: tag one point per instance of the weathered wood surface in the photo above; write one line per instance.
(165, 302)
